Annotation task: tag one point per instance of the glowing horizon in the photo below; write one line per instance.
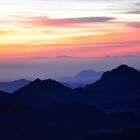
(77, 28)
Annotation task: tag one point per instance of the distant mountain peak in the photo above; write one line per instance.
(35, 82)
(52, 83)
(87, 74)
(121, 71)
(44, 86)
(37, 79)
(122, 78)
(47, 82)
(86, 71)
(125, 68)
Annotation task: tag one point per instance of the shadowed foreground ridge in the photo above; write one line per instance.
(108, 109)
(117, 89)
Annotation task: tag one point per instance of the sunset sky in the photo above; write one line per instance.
(47, 30)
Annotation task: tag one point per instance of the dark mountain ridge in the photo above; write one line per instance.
(123, 79)
(42, 92)
(46, 109)
(117, 89)
(43, 86)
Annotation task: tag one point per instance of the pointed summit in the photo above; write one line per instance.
(120, 72)
(126, 68)
(122, 78)
(118, 89)
(123, 66)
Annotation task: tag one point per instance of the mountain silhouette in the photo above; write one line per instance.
(119, 87)
(117, 90)
(13, 85)
(88, 75)
(46, 109)
(81, 79)
(123, 78)
(44, 87)
(42, 92)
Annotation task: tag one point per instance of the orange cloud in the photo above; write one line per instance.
(53, 37)
(76, 50)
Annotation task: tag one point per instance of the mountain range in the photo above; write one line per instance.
(79, 80)
(118, 90)
(46, 109)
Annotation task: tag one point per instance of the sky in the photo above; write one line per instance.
(40, 38)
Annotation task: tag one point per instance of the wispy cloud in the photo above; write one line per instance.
(95, 49)
(137, 4)
(64, 56)
(121, 56)
(132, 12)
(39, 57)
(64, 22)
(134, 25)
